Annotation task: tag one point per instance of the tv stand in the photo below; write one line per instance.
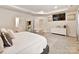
(61, 31)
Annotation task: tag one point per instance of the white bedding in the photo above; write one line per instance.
(26, 43)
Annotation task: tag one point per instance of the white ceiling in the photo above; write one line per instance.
(44, 8)
(39, 9)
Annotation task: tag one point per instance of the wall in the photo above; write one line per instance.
(7, 18)
(70, 23)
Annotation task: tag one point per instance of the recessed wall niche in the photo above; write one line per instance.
(29, 25)
(28, 22)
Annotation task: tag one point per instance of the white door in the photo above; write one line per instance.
(71, 28)
(39, 24)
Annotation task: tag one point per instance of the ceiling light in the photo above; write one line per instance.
(41, 12)
(55, 7)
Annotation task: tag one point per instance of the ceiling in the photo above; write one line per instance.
(39, 9)
(43, 8)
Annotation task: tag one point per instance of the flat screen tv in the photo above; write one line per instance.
(59, 17)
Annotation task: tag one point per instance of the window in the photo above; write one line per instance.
(17, 21)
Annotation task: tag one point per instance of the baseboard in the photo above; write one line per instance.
(59, 34)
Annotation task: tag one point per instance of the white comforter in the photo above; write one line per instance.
(26, 43)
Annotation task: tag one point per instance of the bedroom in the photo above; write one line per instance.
(59, 35)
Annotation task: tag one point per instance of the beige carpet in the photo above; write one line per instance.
(62, 44)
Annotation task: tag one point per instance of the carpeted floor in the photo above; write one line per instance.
(62, 44)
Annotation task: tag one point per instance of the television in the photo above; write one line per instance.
(59, 17)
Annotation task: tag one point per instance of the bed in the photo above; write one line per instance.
(27, 43)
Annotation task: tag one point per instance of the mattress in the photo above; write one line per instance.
(26, 43)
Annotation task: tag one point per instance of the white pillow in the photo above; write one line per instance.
(1, 45)
(3, 30)
(11, 33)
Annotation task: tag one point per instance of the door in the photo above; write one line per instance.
(39, 24)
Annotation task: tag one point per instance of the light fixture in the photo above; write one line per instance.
(41, 12)
(55, 7)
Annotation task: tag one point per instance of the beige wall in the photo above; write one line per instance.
(7, 18)
(70, 22)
